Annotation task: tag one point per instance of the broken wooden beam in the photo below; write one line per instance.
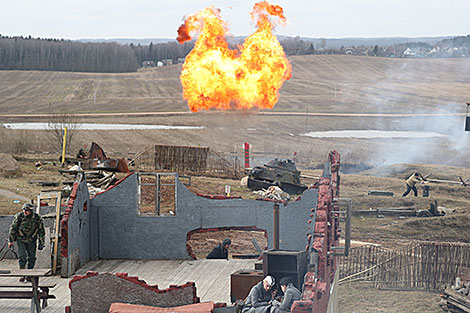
(380, 193)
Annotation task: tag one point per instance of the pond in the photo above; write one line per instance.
(372, 134)
(89, 126)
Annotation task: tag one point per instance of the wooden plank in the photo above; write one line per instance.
(27, 285)
(212, 271)
(27, 272)
(218, 283)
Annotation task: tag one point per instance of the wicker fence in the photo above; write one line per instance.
(181, 159)
(188, 160)
(421, 265)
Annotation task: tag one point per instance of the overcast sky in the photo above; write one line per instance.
(160, 19)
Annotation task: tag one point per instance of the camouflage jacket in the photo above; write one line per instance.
(27, 228)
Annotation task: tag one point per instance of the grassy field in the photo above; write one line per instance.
(345, 85)
(360, 297)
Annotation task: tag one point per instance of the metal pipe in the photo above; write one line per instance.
(276, 226)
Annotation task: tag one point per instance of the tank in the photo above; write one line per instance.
(278, 172)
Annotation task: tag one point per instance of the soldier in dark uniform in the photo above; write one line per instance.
(27, 228)
(221, 250)
(291, 294)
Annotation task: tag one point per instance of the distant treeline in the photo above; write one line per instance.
(457, 47)
(19, 53)
(26, 53)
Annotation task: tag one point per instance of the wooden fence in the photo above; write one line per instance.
(188, 160)
(420, 265)
(181, 159)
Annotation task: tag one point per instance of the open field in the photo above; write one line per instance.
(360, 297)
(434, 89)
(319, 83)
(362, 84)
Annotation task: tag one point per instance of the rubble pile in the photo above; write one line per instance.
(457, 297)
(97, 181)
(274, 193)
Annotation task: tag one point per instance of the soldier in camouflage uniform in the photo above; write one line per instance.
(27, 227)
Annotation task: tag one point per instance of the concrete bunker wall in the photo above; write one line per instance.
(75, 229)
(123, 233)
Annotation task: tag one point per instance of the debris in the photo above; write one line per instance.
(93, 191)
(97, 160)
(73, 168)
(97, 180)
(434, 210)
(461, 181)
(274, 193)
(397, 211)
(40, 164)
(457, 297)
(380, 193)
(44, 183)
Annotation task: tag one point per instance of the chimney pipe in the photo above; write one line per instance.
(276, 226)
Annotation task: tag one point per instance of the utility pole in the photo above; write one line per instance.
(94, 96)
(306, 118)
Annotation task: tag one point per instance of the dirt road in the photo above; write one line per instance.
(12, 195)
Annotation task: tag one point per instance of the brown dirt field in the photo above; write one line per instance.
(320, 83)
(324, 83)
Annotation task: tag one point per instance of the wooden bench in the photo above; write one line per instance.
(43, 292)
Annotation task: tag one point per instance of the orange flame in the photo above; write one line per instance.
(217, 77)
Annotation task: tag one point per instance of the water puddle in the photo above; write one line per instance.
(89, 126)
(372, 134)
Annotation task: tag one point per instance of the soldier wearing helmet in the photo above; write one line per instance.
(221, 250)
(26, 229)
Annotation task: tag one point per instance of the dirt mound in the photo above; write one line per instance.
(8, 165)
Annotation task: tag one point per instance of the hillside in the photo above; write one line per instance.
(320, 83)
(363, 85)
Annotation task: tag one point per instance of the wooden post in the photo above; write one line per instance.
(276, 226)
(64, 142)
(56, 233)
(247, 154)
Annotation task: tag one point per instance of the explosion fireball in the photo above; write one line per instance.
(217, 77)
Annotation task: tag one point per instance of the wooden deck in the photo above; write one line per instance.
(212, 278)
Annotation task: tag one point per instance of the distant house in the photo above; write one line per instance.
(168, 62)
(159, 63)
(148, 64)
(409, 53)
(180, 60)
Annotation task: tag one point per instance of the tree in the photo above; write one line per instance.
(56, 125)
